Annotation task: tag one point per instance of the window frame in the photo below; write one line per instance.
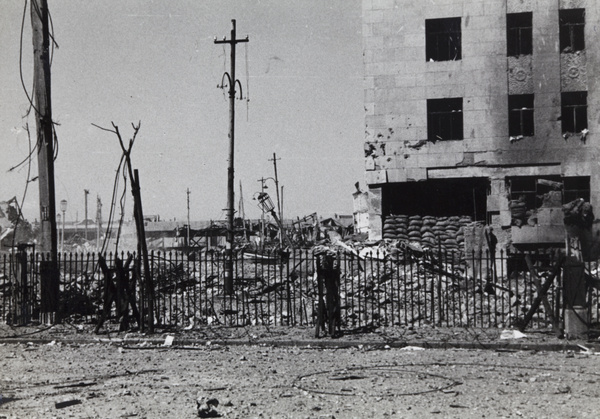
(521, 112)
(532, 191)
(573, 107)
(445, 115)
(575, 187)
(442, 31)
(519, 34)
(571, 30)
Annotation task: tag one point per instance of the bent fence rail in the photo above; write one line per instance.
(407, 289)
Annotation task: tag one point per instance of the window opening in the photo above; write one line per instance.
(438, 198)
(576, 187)
(520, 115)
(519, 34)
(529, 193)
(572, 25)
(574, 112)
(443, 39)
(444, 119)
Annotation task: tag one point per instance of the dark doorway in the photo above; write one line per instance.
(438, 197)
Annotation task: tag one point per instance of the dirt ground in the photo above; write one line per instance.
(67, 372)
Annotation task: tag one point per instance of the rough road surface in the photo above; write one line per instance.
(67, 372)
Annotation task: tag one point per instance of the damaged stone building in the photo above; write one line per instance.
(480, 111)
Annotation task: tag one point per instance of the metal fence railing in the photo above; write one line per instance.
(406, 288)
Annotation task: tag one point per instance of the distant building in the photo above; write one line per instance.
(481, 110)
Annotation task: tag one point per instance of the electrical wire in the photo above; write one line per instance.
(19, 207)
(51, 35)
(247, 84)
(29, 97)
(107, 235)
(31, 105)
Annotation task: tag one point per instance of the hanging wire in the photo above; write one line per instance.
(19, 207)
(247, 83)
(31, 105)
(51, 34)
(29, 98)
(113, 202)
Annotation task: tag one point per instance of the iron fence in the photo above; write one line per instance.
(405, 288)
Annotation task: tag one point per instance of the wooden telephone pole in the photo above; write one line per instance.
(274, 160)
(187, 233)
(86, 192)
(228, 283)
(45, 146)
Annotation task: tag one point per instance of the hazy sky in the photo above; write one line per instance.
(155, 62)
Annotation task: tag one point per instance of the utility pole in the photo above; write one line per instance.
(282, 202)
(187, 243)
(45, 139)
(86, 192)
(228, 283)
(274, 160)
(98, 221)
(242, 213)
(262, 214)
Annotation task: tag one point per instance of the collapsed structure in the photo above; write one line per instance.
(479, 111)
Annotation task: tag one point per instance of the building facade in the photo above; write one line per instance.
(481, 110)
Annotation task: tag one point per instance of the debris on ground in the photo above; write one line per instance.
(207, 408)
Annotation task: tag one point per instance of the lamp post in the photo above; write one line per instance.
(263, 187)
(86, 192)
(266, 205)
(63, 208)
(59, 242)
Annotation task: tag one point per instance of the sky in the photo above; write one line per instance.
(155, 62)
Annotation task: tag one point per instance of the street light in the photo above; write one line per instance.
(58, 223)
(263, 181)
(63, 208)
(266, 205)
(264, 202)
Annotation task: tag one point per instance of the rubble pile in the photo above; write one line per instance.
(384, 284)
(447, 232)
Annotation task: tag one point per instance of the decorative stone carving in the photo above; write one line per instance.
(573, 72)
(520, 75)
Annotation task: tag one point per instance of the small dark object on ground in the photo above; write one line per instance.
(60, 405)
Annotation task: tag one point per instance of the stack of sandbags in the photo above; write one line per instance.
(518, 211)
(415, 222)
(429, 231)
(392, 227)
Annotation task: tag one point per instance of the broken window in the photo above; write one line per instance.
(519, 34)
(529, 193)
(524, 190)
(442, 38)
(574, 112)
(572, 25)
(444, 119)
(520, 115)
